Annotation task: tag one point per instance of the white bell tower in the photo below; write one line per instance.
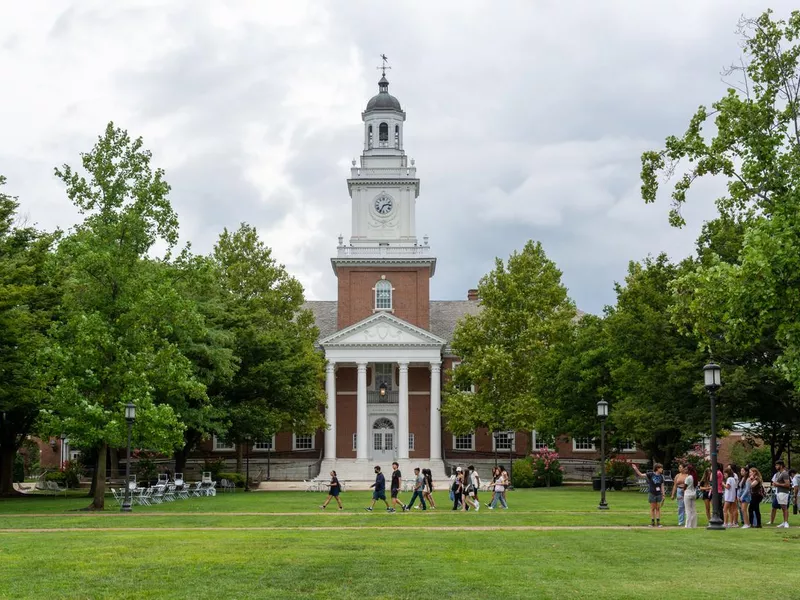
(383, 188)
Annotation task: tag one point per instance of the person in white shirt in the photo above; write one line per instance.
(795, 487)
(690, 497)
(474, 488)
(731, 518)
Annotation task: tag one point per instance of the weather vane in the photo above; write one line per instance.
(383, 67)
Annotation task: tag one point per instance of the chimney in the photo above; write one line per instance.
(473, 294)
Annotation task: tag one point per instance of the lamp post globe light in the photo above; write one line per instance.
(130, 417)
(602, 414)
(712, 380)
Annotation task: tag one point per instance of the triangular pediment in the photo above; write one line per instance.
(382, 329)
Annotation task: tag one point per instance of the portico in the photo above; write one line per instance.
(388, 347)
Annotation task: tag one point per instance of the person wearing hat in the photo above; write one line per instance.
(457, 488)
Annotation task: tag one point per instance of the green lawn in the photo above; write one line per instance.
(353, 554)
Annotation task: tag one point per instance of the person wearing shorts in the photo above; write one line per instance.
(655, 482)
(379, 491)
(783, 487)
(333, 492)
(397, 482)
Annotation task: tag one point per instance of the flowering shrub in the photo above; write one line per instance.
(699, 457)
(618, 467)
(547, 470)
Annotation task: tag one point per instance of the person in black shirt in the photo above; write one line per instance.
(655, 482)
(397, 482)
(379, 493)
(335, 488)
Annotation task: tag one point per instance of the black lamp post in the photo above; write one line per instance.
(63, 449)
(602, 414)
(130, 417)
(712, 381)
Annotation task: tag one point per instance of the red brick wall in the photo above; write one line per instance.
(410, 298)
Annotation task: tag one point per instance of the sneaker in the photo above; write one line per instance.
(785, 525)
(417, 507)
(341, 508)
(322, 506)
(652, 525)
(770, 523)
(659, 526)
(477, 508)
(486, 504)
(368, 509)
(745, 526)
(490, 507)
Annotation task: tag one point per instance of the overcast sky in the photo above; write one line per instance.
(526, 119)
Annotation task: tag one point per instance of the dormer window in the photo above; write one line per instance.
(383, 295)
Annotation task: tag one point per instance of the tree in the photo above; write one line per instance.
(278, 385)
(654, 368)
(27, 306)
(575, 375)
(525, 313)
(119, 305)
(743, 305)
(755, 147)
(209, 348)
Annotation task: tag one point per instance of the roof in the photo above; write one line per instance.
(383, 100)
(325, 315)
(444, 315)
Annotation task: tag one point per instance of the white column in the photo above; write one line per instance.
(402, 426)
(436, 415)
(362, 433)
(330, 410)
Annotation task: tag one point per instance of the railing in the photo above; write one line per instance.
(371, 251)
(390, 397)
(384, 172)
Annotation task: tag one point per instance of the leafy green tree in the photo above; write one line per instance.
(655, 370)
(278, 385)
(28, 300)
(525, 313)
(209, 347)
(755, 147)
(119, 305)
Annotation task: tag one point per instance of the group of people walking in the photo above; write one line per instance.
(464, 489)
(742, 491)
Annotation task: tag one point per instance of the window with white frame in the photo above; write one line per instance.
(383, 295)
(411, 441)
(302, 442)
(540, 442)
(503, 442)
(265, 445)
(627, 446)
(583, 444)
(221, 444)
(355, 441)
(464, 442)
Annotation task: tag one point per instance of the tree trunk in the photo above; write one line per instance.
(180, 459)
(114, 459)
(7, 471)
(239, 453)
(99, 501)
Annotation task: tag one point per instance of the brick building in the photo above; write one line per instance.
(385, 341)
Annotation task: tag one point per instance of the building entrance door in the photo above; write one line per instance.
(384, 442)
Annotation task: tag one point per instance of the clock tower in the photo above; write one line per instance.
(383, 244)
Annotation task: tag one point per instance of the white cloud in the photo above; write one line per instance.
(526, 122)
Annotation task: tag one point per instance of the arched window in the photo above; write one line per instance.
(383, 295)
(383, 132)
(383, 423)
(397, 136)
(369, 137)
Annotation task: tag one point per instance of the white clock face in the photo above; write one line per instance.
(383, 204)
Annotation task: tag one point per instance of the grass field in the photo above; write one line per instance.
(280, 545)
